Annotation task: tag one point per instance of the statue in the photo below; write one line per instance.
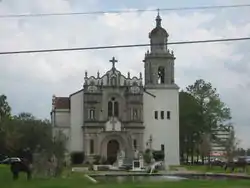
(140, 155)
(136, 154)
(122, 154)
(128, 74)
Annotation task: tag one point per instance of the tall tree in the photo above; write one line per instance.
(248, 152)
(5, 113)
(189, 124)
(205, 145)
(5, 109)
(36, 131)
(22, 131)
(25, 116)
(213, 111)
(241, 151)
(230, 144)
(12, 137)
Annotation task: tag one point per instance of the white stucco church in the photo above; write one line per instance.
(114, 112)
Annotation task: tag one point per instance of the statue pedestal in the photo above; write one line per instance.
(120, 158)
(138, 164)
(120, 161)
(166, 166)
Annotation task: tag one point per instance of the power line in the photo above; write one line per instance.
(120, 46)
(125, 11)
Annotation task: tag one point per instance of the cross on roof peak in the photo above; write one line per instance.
(113, 61)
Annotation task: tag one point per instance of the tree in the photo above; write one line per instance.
(241, 152)
(24, 131)
(201, 113)
(230, 144)
(58, 149)
(36, 131)
(12, 138)
(25, 116)
(5, 109)
(205, 145)
(189, 124)
(248, 152)
(213, 111)
(5, 113)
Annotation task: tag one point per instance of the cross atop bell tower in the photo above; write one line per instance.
(159, 61)
(158, 19)
(113, 61)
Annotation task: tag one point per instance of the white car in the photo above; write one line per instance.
(10, 160)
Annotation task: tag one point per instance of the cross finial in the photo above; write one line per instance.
(158, 19)
(113, 61)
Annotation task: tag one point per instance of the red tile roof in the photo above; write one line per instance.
(62, 103)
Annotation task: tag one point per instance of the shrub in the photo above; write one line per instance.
(147, 156)
(91, 167)
(104, 161)
(103, 168)
(158, 155)
(111, 160)
(77, 158)
(97, 159)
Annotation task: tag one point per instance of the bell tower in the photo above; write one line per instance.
(161, 113)
(159, 61)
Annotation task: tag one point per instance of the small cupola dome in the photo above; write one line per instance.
(158, 30)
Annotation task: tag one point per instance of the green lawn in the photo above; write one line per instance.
(78, 180)
(215, 169)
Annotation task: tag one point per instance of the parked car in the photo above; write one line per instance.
(248, 160)
(243, 158)
(10, 160)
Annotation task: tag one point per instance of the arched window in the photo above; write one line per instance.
(161, 75)
(135, 114)
(110, 108)
(91, 113)
(116, 109)
(113, 108)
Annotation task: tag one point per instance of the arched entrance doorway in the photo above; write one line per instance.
(112, 150)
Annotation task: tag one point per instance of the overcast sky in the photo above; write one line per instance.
(30, 80)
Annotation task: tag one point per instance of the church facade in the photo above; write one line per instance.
(114, 112)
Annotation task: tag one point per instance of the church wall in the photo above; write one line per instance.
(164, 131)
(62, 118)
(61, 123)
(90, 135)
(92, 101)
(137, 134)
(118, 93)
(76, 121)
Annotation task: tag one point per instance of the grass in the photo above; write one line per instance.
(203, 168)
(77, 180)
(215, 169)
